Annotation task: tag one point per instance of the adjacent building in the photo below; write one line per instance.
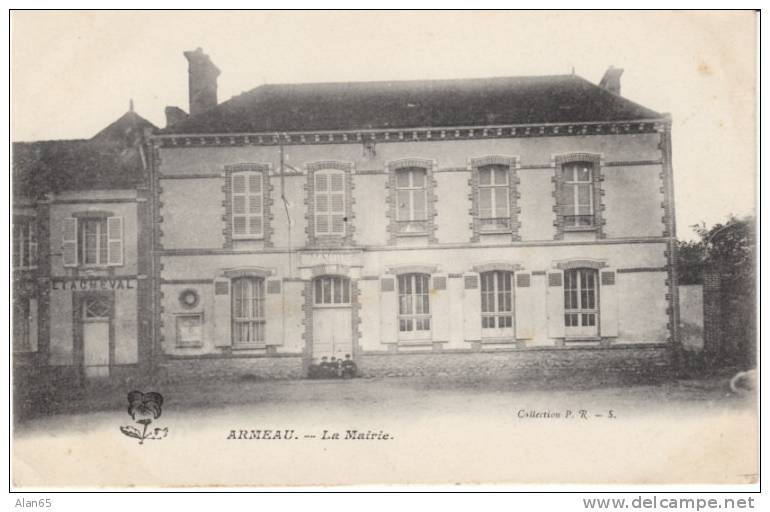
(81, 256)
(419, 226)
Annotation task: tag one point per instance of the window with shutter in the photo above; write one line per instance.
(329, 202)
(248, 310)
(247, 205)
(581, 304)
(496, 303)
(414, 314)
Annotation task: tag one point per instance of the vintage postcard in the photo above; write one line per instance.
(370, 248)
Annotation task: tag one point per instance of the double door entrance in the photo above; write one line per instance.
(332, 317)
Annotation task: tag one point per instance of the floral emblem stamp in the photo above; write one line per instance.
(144, 408)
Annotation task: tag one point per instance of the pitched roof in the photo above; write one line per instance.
(413, 104)
(112, 159)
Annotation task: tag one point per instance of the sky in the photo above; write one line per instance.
(72, 73)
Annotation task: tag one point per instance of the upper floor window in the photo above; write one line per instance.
(494, 198)
(24, 242)
(93, 241)
(247, 205)
(248, 310)
(411, 200)
(329, 202)
(576, 197)
(24, 318)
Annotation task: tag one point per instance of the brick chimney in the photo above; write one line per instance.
(174, 115)
(203, 81)
(611, 80)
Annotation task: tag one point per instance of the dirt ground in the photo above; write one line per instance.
(439, 430)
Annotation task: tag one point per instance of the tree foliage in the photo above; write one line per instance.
(729, 250)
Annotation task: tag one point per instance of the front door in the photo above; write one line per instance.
(96, 337)
(332, 321)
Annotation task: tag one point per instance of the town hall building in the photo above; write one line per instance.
(417, 226)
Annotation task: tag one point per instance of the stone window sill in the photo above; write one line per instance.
(242, 347)
(569, 229)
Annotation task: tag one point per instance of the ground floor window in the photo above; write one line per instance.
(248, 311)
(496, 300)
(21, 325)
(581, 301)
(414, 303)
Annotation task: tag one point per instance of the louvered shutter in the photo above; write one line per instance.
(115, 241)
(70, 242)
(388, 309)
(32, 324)
(555, 304)
(608, 304)
(337, 203)
(240, 219)
(523, 304)
(222, 313)
(255, 204)
(247, 204)
(471, 307)
(440, 307)
(274, 312)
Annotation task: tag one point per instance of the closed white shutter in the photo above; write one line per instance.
(274, 312)
(322, 206)
(222, 313)
(70, 242)
(608, 304)
(388, 309)
(440, 307)
(337, 203)
(115, 241)
(32, 325)
(471, 307)
(255, 204)
(555, 304)
(247, 204)
(523, 303)
(329, 202)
